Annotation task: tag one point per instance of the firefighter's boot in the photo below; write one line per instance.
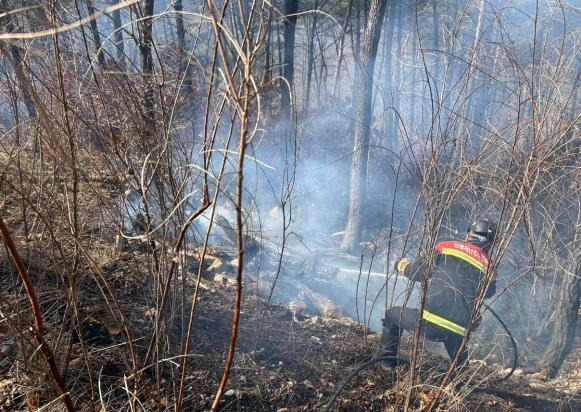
(389, 344)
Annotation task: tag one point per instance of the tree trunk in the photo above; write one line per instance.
(393, 135)
(184, 60)
(16, 58)
(340, 52)
(14, 55)
(414, 46)
(145, 50)
(17, 61)
(96, 36)
(358, 188)
(118, 36)
(477, 97)
(267, 74)
(566, 314)
(311, 55)
(291, 7)
(438, 73)
(323, 73)
(356, 46)
(388, 77)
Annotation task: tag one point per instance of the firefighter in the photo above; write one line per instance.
(457, 270)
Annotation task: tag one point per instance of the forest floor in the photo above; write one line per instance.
(283, 362)
(286, 364)
(297, 364)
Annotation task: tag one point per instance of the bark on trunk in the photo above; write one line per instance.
(387, 85)
(184, 60)
(340, 51)
(16, 58)
(311, 55)
(291, 7)
(96, 36)
(566, 314)
(145, 49)
(118, 36)
(358, 188)
(267, 74)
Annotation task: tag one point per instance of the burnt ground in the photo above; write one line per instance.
(283, 362)
(297, 364)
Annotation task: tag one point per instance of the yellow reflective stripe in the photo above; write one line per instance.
(444, 323)
(465, 257)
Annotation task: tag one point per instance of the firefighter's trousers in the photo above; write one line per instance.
(398, 318)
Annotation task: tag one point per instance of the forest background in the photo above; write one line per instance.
(372, 128)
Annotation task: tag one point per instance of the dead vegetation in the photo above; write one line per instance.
(140, 316)
(99, 321)
(284, 361)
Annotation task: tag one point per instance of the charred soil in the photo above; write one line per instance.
(284, 361)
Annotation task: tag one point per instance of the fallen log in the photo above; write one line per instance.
(324, 305)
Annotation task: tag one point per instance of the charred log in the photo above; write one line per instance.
(251, 245)
(324, 305)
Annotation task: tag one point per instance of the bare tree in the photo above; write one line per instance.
(291, 8)
(118, 38)
(78, 195)
(146, 51)
(565, 317)
(311, 53)
(363, 97)
(96, 35)
(562, 244)
(388, 84)
(16, 58)
(185, 64)
(341, 48)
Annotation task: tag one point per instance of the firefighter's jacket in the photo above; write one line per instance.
(456, 271)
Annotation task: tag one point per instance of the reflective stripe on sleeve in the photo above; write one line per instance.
(444, 323)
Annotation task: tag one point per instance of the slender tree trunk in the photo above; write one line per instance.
(311, 54)
(323, 73)
(388, 75)
(340, 52)
(358, 185)
(267, 74)
(414, 47)
(18, 63)
(435, 25)
(291, 7)
(180, 30)
(95, 32)
(16, 58)
(145, 50)
(26, 98)
(184, 60)
(118, 37)
(393, 136)
(438, 70)
(279, 51)
(356, 45)
(476, 105)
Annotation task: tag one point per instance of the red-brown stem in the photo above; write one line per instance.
(37, 327)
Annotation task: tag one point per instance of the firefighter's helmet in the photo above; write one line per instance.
(483, 229)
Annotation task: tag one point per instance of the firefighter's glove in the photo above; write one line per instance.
(401, 264)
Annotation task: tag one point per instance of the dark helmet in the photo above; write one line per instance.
(483, 229)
